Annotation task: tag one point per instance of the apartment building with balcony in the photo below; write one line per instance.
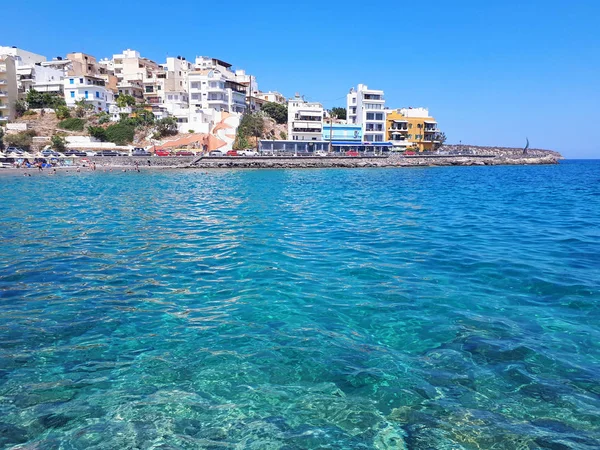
(210, 88)
(305, 120)
(41, 78)
(91, 89)
(412, 128)
(131, 69)
(8, 87)
(366, 107)
(169, 82)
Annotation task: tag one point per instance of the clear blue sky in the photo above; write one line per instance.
(491, 72)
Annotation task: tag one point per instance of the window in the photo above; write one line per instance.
(195, 85)
(97, 94)
(86, 94)
(419, 125)
(71, 81)
(149, 89)
(379, 116)
(72, 94)
(410, 125)
(418, 136)
(370, 116)
(81, 80)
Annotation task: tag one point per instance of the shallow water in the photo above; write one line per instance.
(443, 308)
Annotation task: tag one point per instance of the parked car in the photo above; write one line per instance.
(138, 151)
(352, 153)
(184, 153)
(216, 153)
(162, 153)
(409, 153)
(107, 153)
(248, 152)
(90, 153)
(75, 153)
(49, 153)
(320, 153)
(17, 150)
(232, 153)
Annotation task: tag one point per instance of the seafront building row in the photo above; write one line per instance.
(204, 93)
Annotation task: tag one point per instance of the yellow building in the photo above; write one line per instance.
(412, 128)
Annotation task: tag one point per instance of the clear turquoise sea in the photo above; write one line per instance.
(431, 308)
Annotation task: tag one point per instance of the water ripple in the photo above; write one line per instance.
(448, 308)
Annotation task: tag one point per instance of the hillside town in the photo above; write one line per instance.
(127, 100)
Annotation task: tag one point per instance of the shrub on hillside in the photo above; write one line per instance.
(29, 113)
(103, 117)
(72, 124)
(98, 133)
(120, 133)
(62, 112)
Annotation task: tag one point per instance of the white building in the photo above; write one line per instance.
(22, 57)
(168, 82)
(41, 78)
(273, 97)
(131, 70)
(90, 89)
(8, 87)
(366, 107)
(210, 88)
(305, 120)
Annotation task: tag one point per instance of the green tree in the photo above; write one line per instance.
(98, 133)
(20, 107)
(62, 112)
(124, 100)
(36, 99)
(144, 117)
(276, 111)
(58, 143)
(338, 112)
(166, 126)
(252, 125)
(440, 139)
(283, 135)
(23, 139)
(120, 133)
(82, 106)
(1, 139)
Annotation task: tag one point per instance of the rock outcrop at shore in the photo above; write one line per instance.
(449, 156)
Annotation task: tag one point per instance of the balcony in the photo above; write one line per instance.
(396, 128)
(3, 94)
(373, 97)
(3, 82)
(432, 130)
(3, 106)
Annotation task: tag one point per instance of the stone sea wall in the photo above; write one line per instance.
(322, 162)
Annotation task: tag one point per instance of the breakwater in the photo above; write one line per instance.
(324, 162)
